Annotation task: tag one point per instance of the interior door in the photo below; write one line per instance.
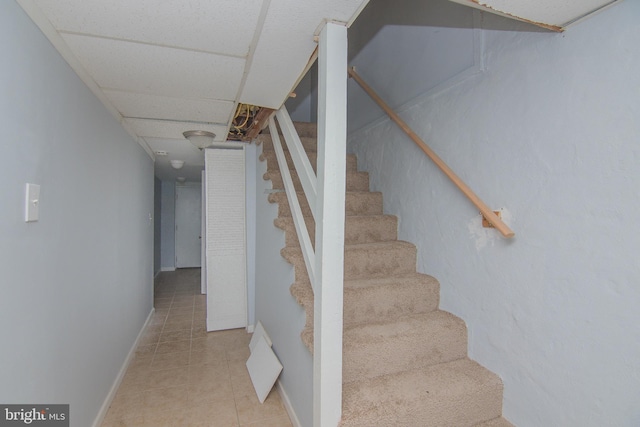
(226, 239)
(188, 225)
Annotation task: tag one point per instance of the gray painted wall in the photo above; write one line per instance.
(168, 226)
(283, 318)
(157, 225)
(76, 285)
(304, 107)
(549, 132)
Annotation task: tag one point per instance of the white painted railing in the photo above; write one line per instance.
(325, 194)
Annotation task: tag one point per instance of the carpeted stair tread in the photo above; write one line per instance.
(496, 422)
(458, 393)
(355, 181)
(358, 229)
(272, 161)
(356, 203)
(409, 342)
(366, 260)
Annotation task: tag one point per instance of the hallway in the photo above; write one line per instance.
(183, 376)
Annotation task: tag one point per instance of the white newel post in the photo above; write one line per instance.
(329, 245)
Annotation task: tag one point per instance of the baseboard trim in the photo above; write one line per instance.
(287, 405)
(114, 388)
(167, 269)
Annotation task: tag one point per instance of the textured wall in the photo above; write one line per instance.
(549, 132)
(77, 285)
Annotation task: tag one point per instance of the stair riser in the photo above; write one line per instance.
(309, 143)
(364, 263)
(272, 161)
(402, 346)
(358, 229)
(373, 304)
(356, 181)
(356, 203)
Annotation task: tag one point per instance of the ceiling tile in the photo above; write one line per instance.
(158, 70)
(211, 26)
(177, 149)
(140, 105)
(172, 129)
(287, 38)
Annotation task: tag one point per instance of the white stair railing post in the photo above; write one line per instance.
(329, 240)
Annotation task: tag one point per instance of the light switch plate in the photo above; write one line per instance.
(32, 203)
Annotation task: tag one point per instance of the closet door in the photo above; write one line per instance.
(226, 239)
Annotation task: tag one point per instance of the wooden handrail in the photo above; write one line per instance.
(491, 217)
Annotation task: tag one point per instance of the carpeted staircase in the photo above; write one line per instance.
(404, 361)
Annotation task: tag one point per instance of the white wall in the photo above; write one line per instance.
(549, 132)
(168, 226)
(76, 285)
(282, 317)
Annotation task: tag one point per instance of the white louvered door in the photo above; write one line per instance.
(226, 239)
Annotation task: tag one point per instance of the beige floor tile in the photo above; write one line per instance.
(282, 421)
(177, 326)
(173, 346)
(168, 378)
(170, 360)
(126, 405)
(219, 414)
(168, 418)
(210, 395)
(208, 343)
(149, 338)
(216, 358)
(120, 420)
(162, 399)
(184, 334)
(211, 382)
(238, 354)
(198, 331)
(145, 350)
(178, 318)
(250, 410)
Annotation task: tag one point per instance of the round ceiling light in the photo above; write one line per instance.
(200, 138)
(177, 164)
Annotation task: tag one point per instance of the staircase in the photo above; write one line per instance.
(404, 361)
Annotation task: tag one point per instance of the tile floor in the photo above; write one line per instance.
(182, 376)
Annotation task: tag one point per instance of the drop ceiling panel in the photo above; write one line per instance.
(172, 129)
(176, 149)
(138, 105)
(157, 70)
(546, 11)
(205, 25)
(287, 38)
